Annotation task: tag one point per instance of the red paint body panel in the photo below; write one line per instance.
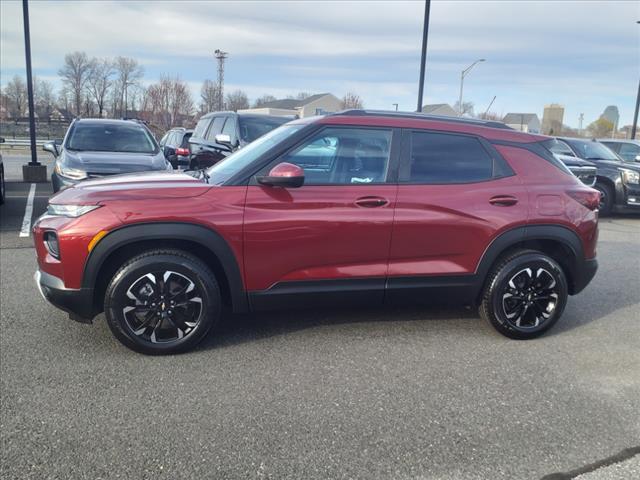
(445, 229)
(315, 233)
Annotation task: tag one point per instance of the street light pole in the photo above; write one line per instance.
(27, 54)
(423, 60)
(464, 72)
(635, 115)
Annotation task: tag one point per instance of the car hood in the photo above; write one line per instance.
(109, 163)
(137, 186)
(570, 161)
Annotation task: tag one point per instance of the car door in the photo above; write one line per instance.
(332, 235)
(455, 194)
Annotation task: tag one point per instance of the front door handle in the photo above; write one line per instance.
(503, 200)
(371, 202)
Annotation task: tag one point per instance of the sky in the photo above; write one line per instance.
(584, 55)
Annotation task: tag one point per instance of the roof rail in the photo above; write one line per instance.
(424, 116)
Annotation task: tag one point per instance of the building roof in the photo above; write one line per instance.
(517, 118)
(292, 103)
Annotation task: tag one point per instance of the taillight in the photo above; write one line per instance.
(182, 151)
(586, 198)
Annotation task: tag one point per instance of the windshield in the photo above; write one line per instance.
(252, 128)
(593, 150)
(110, 137)
(558, 147)
(224, 170)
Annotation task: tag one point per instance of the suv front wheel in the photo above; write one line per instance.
(525, 295)
(162, 302)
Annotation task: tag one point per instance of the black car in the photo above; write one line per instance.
(98, 147)
(219, 134)
(175, 146)
(586, 171)
(618, 181)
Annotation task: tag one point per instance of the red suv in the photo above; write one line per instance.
(359, 206)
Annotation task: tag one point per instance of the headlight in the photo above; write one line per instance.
(68, 172)
(630, 176)
(70, 210)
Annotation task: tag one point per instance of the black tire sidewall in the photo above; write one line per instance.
(531, 260)
(608, 195)
(194, 270)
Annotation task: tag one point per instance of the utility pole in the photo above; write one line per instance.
(580, 119)
(220, 56)
(635, 115)
(423, 61)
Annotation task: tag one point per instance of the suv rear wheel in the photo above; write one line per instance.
(525, 295)
(162, 302)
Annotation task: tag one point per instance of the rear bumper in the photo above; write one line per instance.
(583, 275)
(77, 303)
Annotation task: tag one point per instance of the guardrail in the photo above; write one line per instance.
(22, 142)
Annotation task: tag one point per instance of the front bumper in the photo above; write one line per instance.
(77, 303)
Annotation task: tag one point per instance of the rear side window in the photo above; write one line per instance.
(443, 158)
(201, 127)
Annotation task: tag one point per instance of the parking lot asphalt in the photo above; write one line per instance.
(406, 393)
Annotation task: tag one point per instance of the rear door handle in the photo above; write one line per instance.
(371, 202)
(503, 200)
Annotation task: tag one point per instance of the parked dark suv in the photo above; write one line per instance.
(175, 146)
(94, 148)
(219, 134)
(356, 207)
(617, 181)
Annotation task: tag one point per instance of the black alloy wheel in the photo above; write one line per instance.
(162, 302)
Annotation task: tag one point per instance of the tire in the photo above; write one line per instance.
(2, 186)
(607, 199)
(515, 312)
(138, 302)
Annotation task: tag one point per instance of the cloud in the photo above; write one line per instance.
(585, 54)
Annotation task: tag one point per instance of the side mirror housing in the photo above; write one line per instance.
(223, 139)
(285, 175)
(51, 147)
(637, 158)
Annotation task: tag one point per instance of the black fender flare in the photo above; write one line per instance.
(207, 238)
(510, 238)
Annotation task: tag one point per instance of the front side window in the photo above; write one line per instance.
(215, 129)
(346, 156)
(439, 158)
(230, 128)
(629, 152)
(254, 127)
(111, 137)
(558, 147)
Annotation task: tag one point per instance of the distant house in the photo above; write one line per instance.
(61, 115)
(443, 109)
(525, 122)
(319, 104)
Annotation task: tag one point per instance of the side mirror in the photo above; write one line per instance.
(1, 139)
(224, 139)
(285, 175)
(637, 158)
(51, 147)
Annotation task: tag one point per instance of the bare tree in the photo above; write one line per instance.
(43, 98)
(263, 99)
(303, 95)
(208, 96)
(75, 74)
(16, 92)
(351, 100)
(129, 74)
(100, 81)
(467, 108)
(168, 100)
(237, 100)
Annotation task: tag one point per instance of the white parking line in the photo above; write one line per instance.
(28, 213)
